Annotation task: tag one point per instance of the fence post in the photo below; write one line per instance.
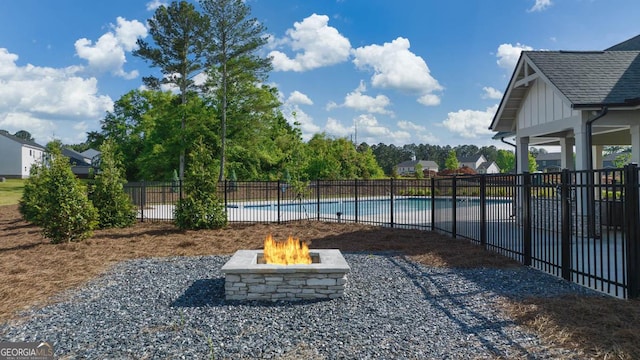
(565, 206)
(143, 200)
(454, 203)
(318, 198)
(526, 218)
(391, 203)
(631, 220)
(433, 204)
(355, 185)
(483, 210)
(226, 199)
(278, 190)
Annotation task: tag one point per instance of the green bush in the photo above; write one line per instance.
(66, 214)
(201, 208)
(107, 193)
(32, 204)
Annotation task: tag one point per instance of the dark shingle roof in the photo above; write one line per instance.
(424, 163)
(22, 141)
(632, 44)
(592, 78)
(468, 159)
(549, 156)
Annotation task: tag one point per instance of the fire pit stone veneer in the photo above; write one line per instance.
(247, 279)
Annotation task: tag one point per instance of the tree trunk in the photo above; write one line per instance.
(224, 122)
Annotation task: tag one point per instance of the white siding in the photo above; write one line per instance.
(542, 105)
(30, 156)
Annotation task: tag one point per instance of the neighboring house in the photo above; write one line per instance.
(488, 167)
(586, 99)
(609, 161)
(409, 167)
(479, 164)
(92, 156)
(472, 162)
(18, 156)
(80, 164)
(549, 162)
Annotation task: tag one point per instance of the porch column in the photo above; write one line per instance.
(635, 144)
(582, 163)
(566, 153)
(522, 153)
(582, 147)
(597, 157)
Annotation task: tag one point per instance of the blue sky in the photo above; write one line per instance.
(400, 72)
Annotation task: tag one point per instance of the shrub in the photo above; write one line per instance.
(66, 214)
(201, 208)
(107, 193)
(31, 204)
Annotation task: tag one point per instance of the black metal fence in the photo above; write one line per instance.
(578, 225)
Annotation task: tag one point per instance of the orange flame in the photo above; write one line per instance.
(292, 251)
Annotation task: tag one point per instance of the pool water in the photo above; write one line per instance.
(369, 207)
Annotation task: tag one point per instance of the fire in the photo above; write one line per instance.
(292, 251)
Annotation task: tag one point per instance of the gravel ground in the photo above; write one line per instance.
(393, 308)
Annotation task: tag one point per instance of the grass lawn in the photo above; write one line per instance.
(11, 191)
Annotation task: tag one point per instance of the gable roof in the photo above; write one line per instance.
(90, 153)
(22, 141)
(470, 159)
(75, 157)
(627, 45)
(424, 163)
(585, 79)
(592, 78)
(485, 165)
(549, 156)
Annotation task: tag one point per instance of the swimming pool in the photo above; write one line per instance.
(348, 207)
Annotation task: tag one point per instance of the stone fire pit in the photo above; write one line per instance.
(247, 277)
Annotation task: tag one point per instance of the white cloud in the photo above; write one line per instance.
(395, 67)
(154, 4)
(299, 98)
(316, 45)
(429, 100)
(491, 93)
(410, 126)
(540, 5)
(358, 101)
(508, 55)
(470, 123)
(335, 128)
(44, 100)
(108, 53)
(372, 132)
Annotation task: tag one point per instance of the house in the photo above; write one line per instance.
(479, 164)
(409, 167)
(81, 164)
(18, 156)
(586, 99)
(549, 162)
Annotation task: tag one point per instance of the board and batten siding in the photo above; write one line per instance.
(543, 105)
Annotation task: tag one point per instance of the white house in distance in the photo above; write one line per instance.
(17, 156)
(409, 167)
(586, 99)
(480, 164)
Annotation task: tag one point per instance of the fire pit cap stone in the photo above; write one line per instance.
(246, 262)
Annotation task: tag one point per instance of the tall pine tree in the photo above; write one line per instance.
(233, 57)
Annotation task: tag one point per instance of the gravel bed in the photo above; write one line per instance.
(393, 308)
